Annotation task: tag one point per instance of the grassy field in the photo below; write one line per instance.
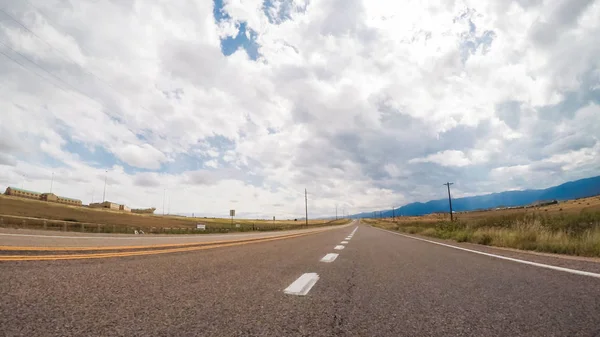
(570, 227)
(26, 213)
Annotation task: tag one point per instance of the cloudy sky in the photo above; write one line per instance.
(244, 103)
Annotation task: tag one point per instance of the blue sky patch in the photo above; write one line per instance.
(245, 38)
(98, 157)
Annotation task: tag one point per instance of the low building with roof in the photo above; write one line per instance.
(105, 204)
(19, 192)
(61, 200)
(50, 197)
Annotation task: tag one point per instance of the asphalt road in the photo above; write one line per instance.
(381, 284)
(41, 238)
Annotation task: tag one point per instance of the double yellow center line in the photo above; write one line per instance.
(138, 250)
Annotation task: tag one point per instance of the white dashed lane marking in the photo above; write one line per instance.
(329, 257)
(344, 242)
(302, 285)
(339, 247)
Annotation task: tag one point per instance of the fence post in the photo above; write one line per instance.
(82, 227)
(64, 226)
(45, 225)
(24, 224)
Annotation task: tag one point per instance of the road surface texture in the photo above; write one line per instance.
(41, 238)
(380, 284)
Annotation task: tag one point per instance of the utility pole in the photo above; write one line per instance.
(336, 212)
(51, 182)
(104, 193)
(393, 214)
(164, 194)
(306, 207)
(450, 199)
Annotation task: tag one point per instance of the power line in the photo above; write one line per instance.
(46, 71)
(34, 34)
(29, 69)
(51, 74)
(67, 56)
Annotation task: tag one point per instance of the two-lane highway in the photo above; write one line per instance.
(379, 284)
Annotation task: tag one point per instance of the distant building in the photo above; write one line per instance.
(61, 200)
(50, 197)
(17, 192)
(124, 208)
(106, 204)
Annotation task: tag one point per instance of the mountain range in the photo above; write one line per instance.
(571, 190)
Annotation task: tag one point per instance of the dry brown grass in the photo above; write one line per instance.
(110, 219)
(571, 227)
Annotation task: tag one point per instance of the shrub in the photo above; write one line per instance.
(463, 236)
(429, 232)
(484, 239)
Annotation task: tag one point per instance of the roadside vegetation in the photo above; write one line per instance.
(573, 231)
(34, 214)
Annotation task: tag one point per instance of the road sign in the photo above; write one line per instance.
(232, 212)
(237, 225)
(200, 226)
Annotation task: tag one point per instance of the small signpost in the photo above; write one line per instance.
(201, 226)
(232, 214)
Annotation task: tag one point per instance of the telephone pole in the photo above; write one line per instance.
(336, 212)
(306, 207)
(393, 214)
(450, 199)
(51, 182)
(164, 195)
(104, 193)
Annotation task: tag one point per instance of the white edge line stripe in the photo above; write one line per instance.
(344, 242)
(302, 285)
(536, 264)
(339, 247)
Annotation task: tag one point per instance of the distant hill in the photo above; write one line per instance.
(572, 190)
